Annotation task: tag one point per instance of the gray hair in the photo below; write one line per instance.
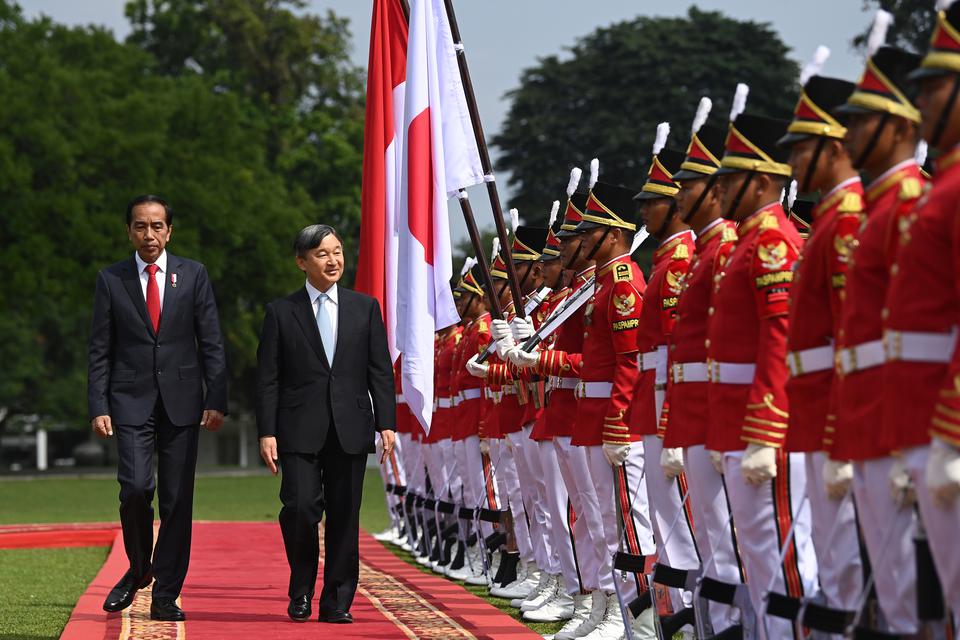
(310, 238)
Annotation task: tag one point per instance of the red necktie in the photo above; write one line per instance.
(153, 296)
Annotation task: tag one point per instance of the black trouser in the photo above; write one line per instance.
(175, 449)
(312, 483)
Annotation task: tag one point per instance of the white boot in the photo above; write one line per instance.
(476, 577)
(513, 589)
(582, 607)
(541, 597)
(598, 608)
(542, 577)
(559, 607)
(643, 626)
(611, 627)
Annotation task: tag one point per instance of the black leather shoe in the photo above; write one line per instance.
(336, 617)
(166, 610)
(299, 609)
(121, 596)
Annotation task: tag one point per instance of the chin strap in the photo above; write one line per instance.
(526, 274)
(575, 256)
(812, 167)
(736, 203)
(945, 114)
(596, 247)
(671, 214)
(712, 180)
(873, 141)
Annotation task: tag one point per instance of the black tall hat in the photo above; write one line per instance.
(660, 182)
(573, 216)
(526, 243)
(813, 114)
(752, 146)
(609, 205)
(885, 86)
(703, 154)
(944, 54)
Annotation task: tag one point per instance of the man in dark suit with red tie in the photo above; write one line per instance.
(156, 371)
(325, 385)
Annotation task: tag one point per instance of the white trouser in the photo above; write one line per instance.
(762, 516)
(672, 529)
(413, 465)
(523, 448)
(559, 507)
(883, 524)
(509, 485)
(392, 473)
(835, 539)
(543, 512)
(588, 528)
(941, 524)
(625, 486)
(714, 530)
(479, 485)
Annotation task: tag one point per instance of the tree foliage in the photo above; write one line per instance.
(87, 122)
(913, 22)
(606, 98)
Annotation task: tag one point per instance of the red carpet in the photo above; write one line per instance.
(37, 536)
(237, 585)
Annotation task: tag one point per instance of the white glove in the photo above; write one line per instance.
(484, 446)
(522, 328)
(616, 453)
(837, 476)
(500, 329)
(503, 347)
(716, 458)
(901, 486)
(523, 359)
(477, 369)
(671, 460)
(943, 472)
(759, 464)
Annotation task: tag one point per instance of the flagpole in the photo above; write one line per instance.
(485, 163)
(475, 239)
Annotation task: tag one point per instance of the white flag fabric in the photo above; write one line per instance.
(439, 157)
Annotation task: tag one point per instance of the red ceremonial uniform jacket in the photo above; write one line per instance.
(922, 297)
(470, 412)
(859, 403)
(537, 407)
(815, 302)
(506, 413)
(611, 319)
(443, 418)
(658, 313)
(561, 414)
(946, 413)
(686, 420)
(749, 327)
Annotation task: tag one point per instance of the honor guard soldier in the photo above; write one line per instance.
(920, 332)
(821, 164)
(686, 421)
(881, 139)
(657, 205)
(748, 372)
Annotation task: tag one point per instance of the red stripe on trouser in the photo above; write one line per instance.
(783, 510)
(688, 510)
(393, 464)
(629, 527)
(491, 488)
(571, 521)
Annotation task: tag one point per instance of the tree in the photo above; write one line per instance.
(912, 26)
(619, 82)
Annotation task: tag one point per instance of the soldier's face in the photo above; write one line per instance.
(801, 156)
(690, 193)
(861, 129)
(934, 105)
(551, 271)
(654, 215)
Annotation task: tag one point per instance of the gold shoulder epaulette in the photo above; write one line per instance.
(483, 326)
(457, 338)
(769, 222)
(681, 252)
(729, 235)
(622, 272)
(910, 188)
(852, 203)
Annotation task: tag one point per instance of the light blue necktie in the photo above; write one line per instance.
(326, 330)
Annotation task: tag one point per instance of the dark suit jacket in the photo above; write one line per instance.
(129, 365)
(300, 395)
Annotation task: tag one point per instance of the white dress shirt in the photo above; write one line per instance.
(331, 306)
(161, 274)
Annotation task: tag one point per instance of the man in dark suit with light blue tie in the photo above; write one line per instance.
(156, 371)
(325, 386)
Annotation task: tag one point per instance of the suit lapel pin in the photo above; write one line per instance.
(173, 280)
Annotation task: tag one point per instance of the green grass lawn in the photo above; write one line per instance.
(38, 587)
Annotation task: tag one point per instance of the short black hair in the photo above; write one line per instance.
(144, 199)
(310, 238)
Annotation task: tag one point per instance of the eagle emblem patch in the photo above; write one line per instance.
(625, 304)
(773, 255)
